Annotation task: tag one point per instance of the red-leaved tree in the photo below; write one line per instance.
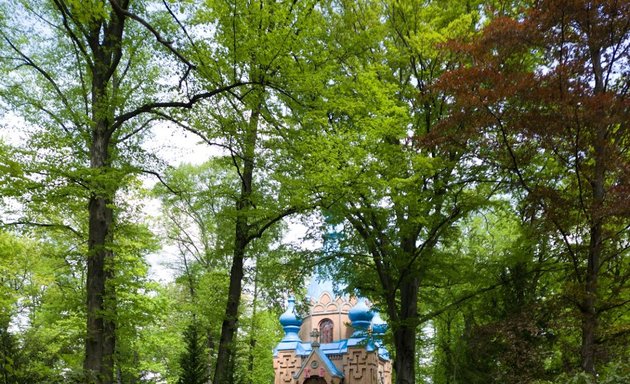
(548, 89)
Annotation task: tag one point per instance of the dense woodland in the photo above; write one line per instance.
(463, 164)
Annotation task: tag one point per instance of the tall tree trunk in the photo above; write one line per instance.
(100, 341)
(223, 373)
(589, 303)
(252, 329)
(449, 367)
(404, 318)
(105, 40)
(405, 333)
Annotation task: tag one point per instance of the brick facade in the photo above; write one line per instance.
(349, 358)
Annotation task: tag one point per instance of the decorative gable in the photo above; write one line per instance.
(318, 365)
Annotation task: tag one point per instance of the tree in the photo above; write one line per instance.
(193, 365)
(199, 219)
(373, 158)
(88, 83)
(15, 282)
(494, 283)
(549, 87)
(256, 45)
(33, 273)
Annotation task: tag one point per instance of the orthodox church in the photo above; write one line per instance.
(338, 342)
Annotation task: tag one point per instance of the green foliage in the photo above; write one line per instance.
(499, 329)
(41, 310)
(355, 108)
(614, 373)
(255, 349)
(193, 362)
(374, 152)
(80, 76)
(556, 145)
(8, 355)
(197, 220)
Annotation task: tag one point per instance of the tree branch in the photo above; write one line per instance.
(257, 233)
(199, 134)
(45, 225)
(142, 127)
(65, 13)
(29, 62)
(459, 301)
(158, 36)
(151, 107)
(159, 177)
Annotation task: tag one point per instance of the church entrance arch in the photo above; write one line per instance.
(315, 380)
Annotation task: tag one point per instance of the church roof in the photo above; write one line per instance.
(318, 286)
(290, 322)
(339, 347)
(328, 365)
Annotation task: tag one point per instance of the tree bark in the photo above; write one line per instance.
(223, 373)
(403, 318)
(252, 329)
(589, 303)
(405, 333)
(100, 341)
(449, 368)
(105, 42)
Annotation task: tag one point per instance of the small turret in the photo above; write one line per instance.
(290, 322)
(379, 326)
(360, 317)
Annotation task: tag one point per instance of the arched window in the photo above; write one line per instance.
(326, 331)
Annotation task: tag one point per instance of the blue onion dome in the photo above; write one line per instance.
(289, 317)
(360, 317)
(290, 322)
(379, 326)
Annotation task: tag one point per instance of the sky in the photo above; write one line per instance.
(176, 147)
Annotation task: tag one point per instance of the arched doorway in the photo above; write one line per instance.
(315, 380)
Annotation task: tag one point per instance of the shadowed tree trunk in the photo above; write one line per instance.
(252, 329)
(105, 42)
(405, 334)
(589, 304)
(223, 373)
